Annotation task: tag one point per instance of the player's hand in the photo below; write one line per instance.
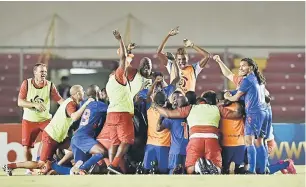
(217, 58)
(40, 107)
(131, 46)
(188, 43)
(117, 35)
(158, 79)
(227, 95)
(174, 31)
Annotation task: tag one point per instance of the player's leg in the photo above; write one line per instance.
(213, 152)
(238, 159)
(227, 155)
(176, 162)
(125, 133)
(261, 152)
(251, 129)
(195, 150)
(162, 158)
(149, 157)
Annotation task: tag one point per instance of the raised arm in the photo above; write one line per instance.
(205, 54)
(158, 79)
(177, 76)
(225, 71)
(162, 56)
(122, 50)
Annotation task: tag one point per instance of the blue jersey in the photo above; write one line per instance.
(179, 135)
(168, 91)
(254, 94)
(92, 119)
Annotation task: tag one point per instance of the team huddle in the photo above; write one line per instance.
(139, 124)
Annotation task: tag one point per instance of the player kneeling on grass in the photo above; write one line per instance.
(203, 120)
(232, 135)
(83, 142)
(54, 135)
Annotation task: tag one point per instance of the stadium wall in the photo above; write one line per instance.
(207, 23)
(290, 140)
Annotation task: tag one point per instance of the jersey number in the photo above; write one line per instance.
(85, 117)
(185, 126)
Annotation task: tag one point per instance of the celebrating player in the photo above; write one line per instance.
(203, 120)
(83, 141)
(119, 123)
(179, 137)
(55, 133)
(35, 98)
(188, 73)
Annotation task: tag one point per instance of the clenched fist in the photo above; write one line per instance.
(174, 31)
(117, 35)
(188, 43)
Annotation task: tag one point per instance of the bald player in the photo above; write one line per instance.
(55, 133)
(119, 124)
(188, 72)
(34, 97)
(83, 142)
(179, 136)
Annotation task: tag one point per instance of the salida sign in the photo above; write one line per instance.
(92, 64)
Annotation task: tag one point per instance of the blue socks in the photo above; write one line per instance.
(277, 167)
(251, 152)
(261, 159)
(62, 170)
(93, 160)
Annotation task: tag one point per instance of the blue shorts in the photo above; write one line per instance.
(269, 127)
(175, 160)
(81, 146)
(232, 154)
(254, 123)
(159, 154)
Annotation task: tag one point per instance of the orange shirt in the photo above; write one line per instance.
(162, 138)
(232, 129)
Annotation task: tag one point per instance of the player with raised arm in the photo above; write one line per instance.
(119, 123)
(179, 137)
(35, 98)
(56, 132)
(252, 86)
(83, 142)
(203, 120)
(188, 72)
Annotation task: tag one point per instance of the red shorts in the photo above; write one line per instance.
(120, 127)
(49, 146)
(208, 148)
(30, 131)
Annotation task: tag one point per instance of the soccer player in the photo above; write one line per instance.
(179, 137)
(203, 120)
(252, 86)
(119, 123)
(83, 142)
(35, 98)
(232, 134)
(188, 73)
(55, 133)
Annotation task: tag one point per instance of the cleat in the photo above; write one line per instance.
(291, 168)
(76, 168)
(7, 170)
(113, 170)
(232, 168)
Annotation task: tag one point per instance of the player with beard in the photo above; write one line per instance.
(188, 72)
(179, 137)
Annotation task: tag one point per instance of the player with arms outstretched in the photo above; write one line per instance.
(188, 72)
